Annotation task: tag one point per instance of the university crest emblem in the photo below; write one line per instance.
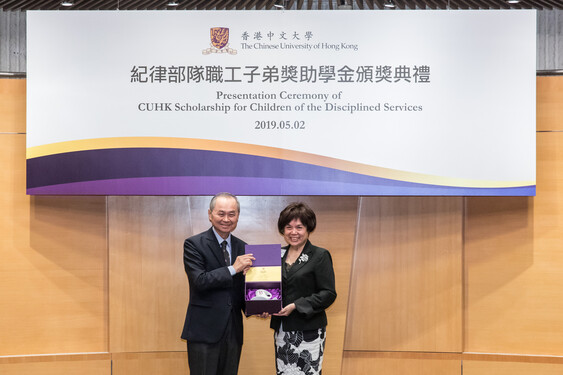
(219, 41)
(219, 37)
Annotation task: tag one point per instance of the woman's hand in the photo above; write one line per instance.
(264, 315)
(286, 310)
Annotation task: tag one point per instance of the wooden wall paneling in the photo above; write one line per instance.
(548, 202)
(549, 103)
(83, 364)
(401, 363)
(406, 291)
(513, 262)
(507, 367)
(498, 252)
(169, 363)
(14, 203)
(68, 236)
(12, 105)
(53, 270)
(148, 285)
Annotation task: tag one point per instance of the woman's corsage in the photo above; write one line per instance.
(303, 258)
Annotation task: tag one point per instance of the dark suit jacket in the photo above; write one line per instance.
(214, 293)
(310, 285)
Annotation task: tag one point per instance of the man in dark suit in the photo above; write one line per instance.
(216, 264)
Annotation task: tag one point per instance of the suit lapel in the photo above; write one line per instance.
(284, 272)
(305, 254)
(214, 247)
(237, 248)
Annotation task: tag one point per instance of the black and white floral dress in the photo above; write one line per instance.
(299, 352)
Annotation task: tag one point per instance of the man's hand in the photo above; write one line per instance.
(243, 263)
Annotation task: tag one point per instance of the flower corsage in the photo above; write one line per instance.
(303, 258)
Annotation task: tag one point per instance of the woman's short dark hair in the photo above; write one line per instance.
(297, 210)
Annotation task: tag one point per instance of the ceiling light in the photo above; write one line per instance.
(280, 4)
(512, 1)
(343, 4)
(389, 4)
(67, 3)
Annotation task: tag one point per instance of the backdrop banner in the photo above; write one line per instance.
(281, 102)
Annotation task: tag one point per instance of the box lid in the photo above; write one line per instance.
(266, 255)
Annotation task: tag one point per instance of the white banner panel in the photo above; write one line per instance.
(281, 102)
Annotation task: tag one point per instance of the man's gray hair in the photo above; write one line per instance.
(225, 195)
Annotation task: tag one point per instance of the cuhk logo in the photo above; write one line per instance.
(219, 41)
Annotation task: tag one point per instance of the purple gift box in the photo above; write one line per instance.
(268, 261)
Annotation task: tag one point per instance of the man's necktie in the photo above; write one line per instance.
(226, 253)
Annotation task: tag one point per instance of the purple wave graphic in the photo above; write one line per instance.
(157, 171)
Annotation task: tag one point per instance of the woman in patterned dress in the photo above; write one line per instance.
(307, 290)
